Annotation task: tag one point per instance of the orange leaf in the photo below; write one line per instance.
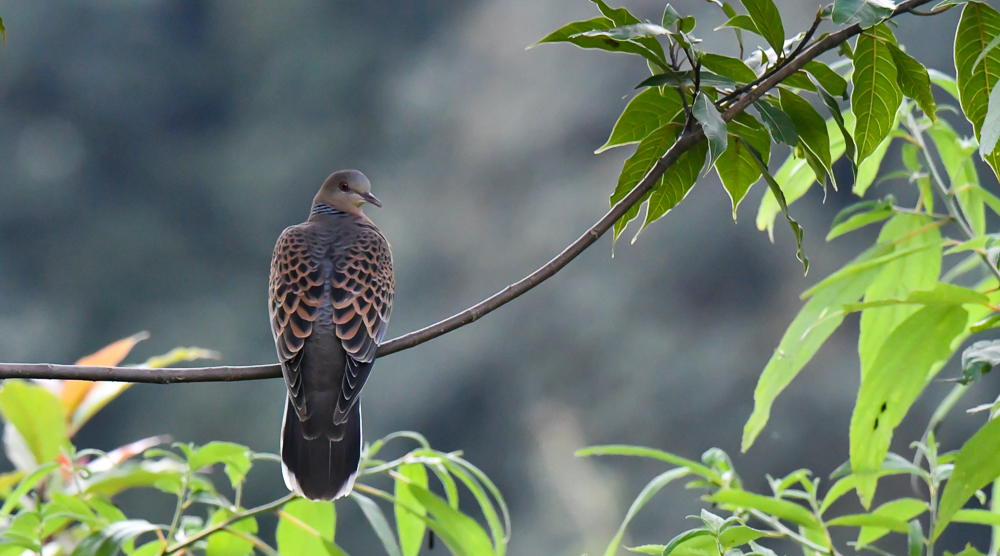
(74, 391)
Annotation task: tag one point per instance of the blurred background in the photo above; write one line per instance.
(151, 151)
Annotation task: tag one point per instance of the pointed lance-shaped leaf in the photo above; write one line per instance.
(776, 191)
(675, 184)
(811, 129)
(638, 165)
(914, 81)
(876, 95)
(778, 123)
(736, 167)
(902, 369)
(733, 68)
(648, 111)
(978, 24)
(975, 467)
(767, 19)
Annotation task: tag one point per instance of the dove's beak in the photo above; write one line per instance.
(372, 199)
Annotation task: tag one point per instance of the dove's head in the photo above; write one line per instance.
(346, 191)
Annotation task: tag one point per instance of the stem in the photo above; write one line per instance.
(780, 528)
(947, 194)
(687, 140)
(178, 510)
(232, 519)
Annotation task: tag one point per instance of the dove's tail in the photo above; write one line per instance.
(320, 468)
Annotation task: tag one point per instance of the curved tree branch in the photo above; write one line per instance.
(255, 372)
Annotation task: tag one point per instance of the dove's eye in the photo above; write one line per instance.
(343, 186)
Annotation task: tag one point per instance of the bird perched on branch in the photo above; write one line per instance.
(330, 298)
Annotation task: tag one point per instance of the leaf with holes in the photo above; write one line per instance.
(903, 367)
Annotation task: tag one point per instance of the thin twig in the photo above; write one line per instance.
(231, 520)
(686, 141)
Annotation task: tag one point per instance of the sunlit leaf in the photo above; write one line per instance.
(234, 457)
(899, 374)
(901, 509)
(736, 167)
(109, 541)
(466, 537)
(306, 528)
(675, 184)
(975, 467)
(859, 215)
(644, 496)
(410, 527)
(782, 509)
(638, 165)
(224, 543)
(37, 416)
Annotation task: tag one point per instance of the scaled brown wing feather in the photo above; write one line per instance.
(361, 294)
(296, 291)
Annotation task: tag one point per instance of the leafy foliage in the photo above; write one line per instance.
(59, 500)
(916, 306)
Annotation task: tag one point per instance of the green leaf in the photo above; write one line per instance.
(736, 167)
(899, 374)
(648, 111)
(24, 487)
(915, 538)
(830, 80)
(811, 128)
(991, 124)
(565, 32)
(766, 18)
(816, 321)
(901, 510)
(627, 32)
(863, 12)
(410, 527)
(3, 32)
(235, 457)
(779, 196)
(224, 543)
(733, 68)
(782, 509)
(978, 517)
(684, 538)
(475, 480)
(573, 33)
(675, 184)
(859, 215)
(740, 535)
(778, 123)
(462, 534)
(109, 541)
(644, 496)
(956, 155)
(378, 522)
(975, 467)
(978, 25)
(638, 165)
(915, 272)
(876, 95)
(37, 416)
(639, 451)
(306, 528)
(713, 125)
(868, 169)
(741, 22)
(942, 294)
(914, 81)
(848, 483)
